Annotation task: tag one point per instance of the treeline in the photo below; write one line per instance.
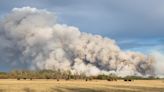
(40, 74)
(58, 74)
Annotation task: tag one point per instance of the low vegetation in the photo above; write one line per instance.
(44, 85)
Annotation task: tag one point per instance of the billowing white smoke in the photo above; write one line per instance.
(32, 39)
(159, 64)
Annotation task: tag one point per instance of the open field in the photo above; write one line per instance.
(11, 85)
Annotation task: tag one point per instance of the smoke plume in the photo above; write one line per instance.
(159, 64)
(31, 38)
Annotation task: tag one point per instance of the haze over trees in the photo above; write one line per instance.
(59, 74)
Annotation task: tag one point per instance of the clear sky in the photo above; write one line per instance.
(135, 24)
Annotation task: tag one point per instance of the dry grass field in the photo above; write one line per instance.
(12, 85)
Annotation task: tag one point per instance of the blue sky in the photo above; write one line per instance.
(135, 24)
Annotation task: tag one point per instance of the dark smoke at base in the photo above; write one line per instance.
(32, 39)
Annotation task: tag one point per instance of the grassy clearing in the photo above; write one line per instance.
(12, 85)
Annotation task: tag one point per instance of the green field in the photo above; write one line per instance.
(12, 85)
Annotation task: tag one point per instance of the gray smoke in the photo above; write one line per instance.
(32, 39)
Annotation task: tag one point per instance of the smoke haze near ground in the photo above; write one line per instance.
(159, 63)
(31, 38)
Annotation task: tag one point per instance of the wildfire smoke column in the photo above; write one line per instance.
(33, 39)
